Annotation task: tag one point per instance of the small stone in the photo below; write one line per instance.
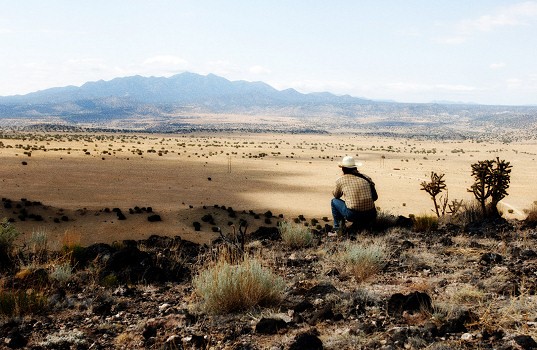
(164, 307)
(467, 337)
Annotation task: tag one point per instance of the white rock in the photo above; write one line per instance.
(164, 307)
(467, 336)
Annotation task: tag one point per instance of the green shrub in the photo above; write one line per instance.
(295, 236)
(364, 260)
(227, 287)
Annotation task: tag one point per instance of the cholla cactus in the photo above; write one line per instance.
(434, 188)
(492, 179)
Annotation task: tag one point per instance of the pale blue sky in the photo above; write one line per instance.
(482, 51)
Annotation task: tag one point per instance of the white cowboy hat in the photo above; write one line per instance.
(349, 162)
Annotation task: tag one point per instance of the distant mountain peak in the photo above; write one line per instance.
(187, 87)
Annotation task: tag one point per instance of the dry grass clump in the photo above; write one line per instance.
(364, 260)
(19, 303)
(227, 287)
(470, 211)
(61, 272)
(532, 213)
(468, 295)
(424, 223)
(517, 312)
(295, 236)
(8, 235)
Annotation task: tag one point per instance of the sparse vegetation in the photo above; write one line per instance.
(8, 234)
(480, 279)
(364, 260)
(295, 236)
(424, 223)
(225, 287)
(20, 302)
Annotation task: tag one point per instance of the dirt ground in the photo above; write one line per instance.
(177, 175)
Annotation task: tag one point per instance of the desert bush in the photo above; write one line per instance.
(225, 287)
(295, 236)
(61, 272)
(8, 235)
(38, 245)
(424, 223)
(468, 295)
(531, 216)
(492, 179)
(468, 212)
(384, 220)
(364, 260)
(18, 303)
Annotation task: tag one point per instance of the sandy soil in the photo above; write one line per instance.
(287, 174)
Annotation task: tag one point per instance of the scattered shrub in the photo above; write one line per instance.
(8, 234)
(227, 287)
(531, 217)
(18, 303)
(62, 272)
(364, 260)
(295, 236)
(468, 212)
(39, 245)
(424, 223)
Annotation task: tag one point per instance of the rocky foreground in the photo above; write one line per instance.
(471, 287)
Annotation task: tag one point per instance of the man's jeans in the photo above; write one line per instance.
(340, 212)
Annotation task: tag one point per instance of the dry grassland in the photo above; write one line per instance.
(177, 175)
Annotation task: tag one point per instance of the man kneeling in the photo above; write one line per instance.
(358, 205)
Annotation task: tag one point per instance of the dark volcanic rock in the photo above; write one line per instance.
(323, 314)
(270, 325)
(154, 218)
(457, 324)
(15, 339)
(490, 258)
(266, 233)
(98, 252)
(305, 341)
(413, 302)
(525, 342)
(321, 290)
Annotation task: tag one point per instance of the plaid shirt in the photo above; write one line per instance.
(356, 192)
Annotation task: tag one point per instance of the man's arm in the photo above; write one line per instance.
(338, 191)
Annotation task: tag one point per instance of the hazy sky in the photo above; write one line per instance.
(482, 51)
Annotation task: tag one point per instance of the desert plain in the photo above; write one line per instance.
(181, 176)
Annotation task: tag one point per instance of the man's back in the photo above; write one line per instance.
(356, 191)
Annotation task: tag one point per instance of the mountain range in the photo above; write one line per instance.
(159, 103)
(181, 89)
